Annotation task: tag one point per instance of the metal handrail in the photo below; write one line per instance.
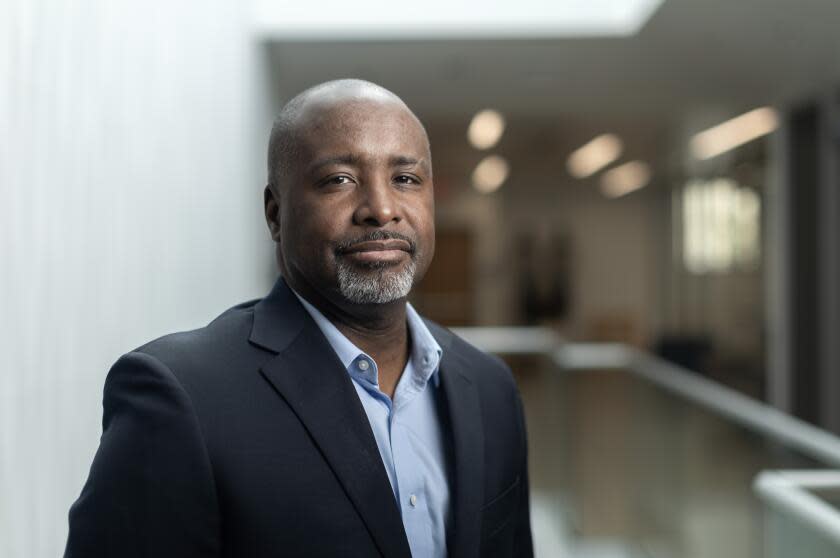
(791, 492)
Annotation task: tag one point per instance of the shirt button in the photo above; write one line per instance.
(363, 365)
(413, 500)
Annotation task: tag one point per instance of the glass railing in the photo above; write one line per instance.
(631, 456)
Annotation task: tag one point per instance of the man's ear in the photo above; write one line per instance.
(271, 205)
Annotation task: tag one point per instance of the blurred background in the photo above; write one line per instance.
(637, 206)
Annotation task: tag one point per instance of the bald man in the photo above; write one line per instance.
(328, 418)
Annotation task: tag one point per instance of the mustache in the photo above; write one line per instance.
(345, 245)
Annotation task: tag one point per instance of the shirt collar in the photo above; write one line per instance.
(425, 350)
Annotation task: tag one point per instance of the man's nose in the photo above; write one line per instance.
(378, 205)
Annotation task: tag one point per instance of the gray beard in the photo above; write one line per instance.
(375, 285)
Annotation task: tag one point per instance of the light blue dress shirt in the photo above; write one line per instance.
(407, 430)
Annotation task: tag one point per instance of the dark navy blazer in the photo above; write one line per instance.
(246, 439)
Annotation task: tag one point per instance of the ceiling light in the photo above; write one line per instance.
(625, 178)
(595, 155)
(732, 133)
(486, 129)
(377, 20)
(490, 174)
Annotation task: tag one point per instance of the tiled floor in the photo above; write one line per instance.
(620, 469)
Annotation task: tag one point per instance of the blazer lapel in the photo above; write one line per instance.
(462, 404)
(313, 382)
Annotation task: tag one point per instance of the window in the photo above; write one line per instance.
(720, 226)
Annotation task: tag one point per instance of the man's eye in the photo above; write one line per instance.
(406, 179)
(334, 180)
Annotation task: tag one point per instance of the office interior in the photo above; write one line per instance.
(637, 207)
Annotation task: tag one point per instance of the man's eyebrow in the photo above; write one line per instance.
(405, 161)
(347, 159)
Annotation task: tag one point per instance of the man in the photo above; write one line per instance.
(327, 419)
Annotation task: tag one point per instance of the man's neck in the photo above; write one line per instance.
(380, 330)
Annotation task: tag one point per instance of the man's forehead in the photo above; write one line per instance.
(349, 112)
(357, 125)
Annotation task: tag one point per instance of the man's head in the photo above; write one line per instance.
(349, 200)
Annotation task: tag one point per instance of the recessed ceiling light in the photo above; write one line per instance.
(594, 155)
(625, 178)
(490, 174)
(733, 133)
(486, 129)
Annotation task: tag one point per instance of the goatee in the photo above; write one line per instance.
(377, 284)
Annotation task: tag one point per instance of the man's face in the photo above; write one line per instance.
(357, 212)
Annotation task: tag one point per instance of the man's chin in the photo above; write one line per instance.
(376, 283)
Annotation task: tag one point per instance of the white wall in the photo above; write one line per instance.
(129, 207)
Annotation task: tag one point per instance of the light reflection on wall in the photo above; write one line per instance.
(721, 226)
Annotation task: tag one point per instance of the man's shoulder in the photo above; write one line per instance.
(224, 336)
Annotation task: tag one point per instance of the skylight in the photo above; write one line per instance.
(334, 20)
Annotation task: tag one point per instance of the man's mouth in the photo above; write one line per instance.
(378, 251)
(388, 250)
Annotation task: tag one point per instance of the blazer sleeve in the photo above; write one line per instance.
(522, 544)
(150, 491)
